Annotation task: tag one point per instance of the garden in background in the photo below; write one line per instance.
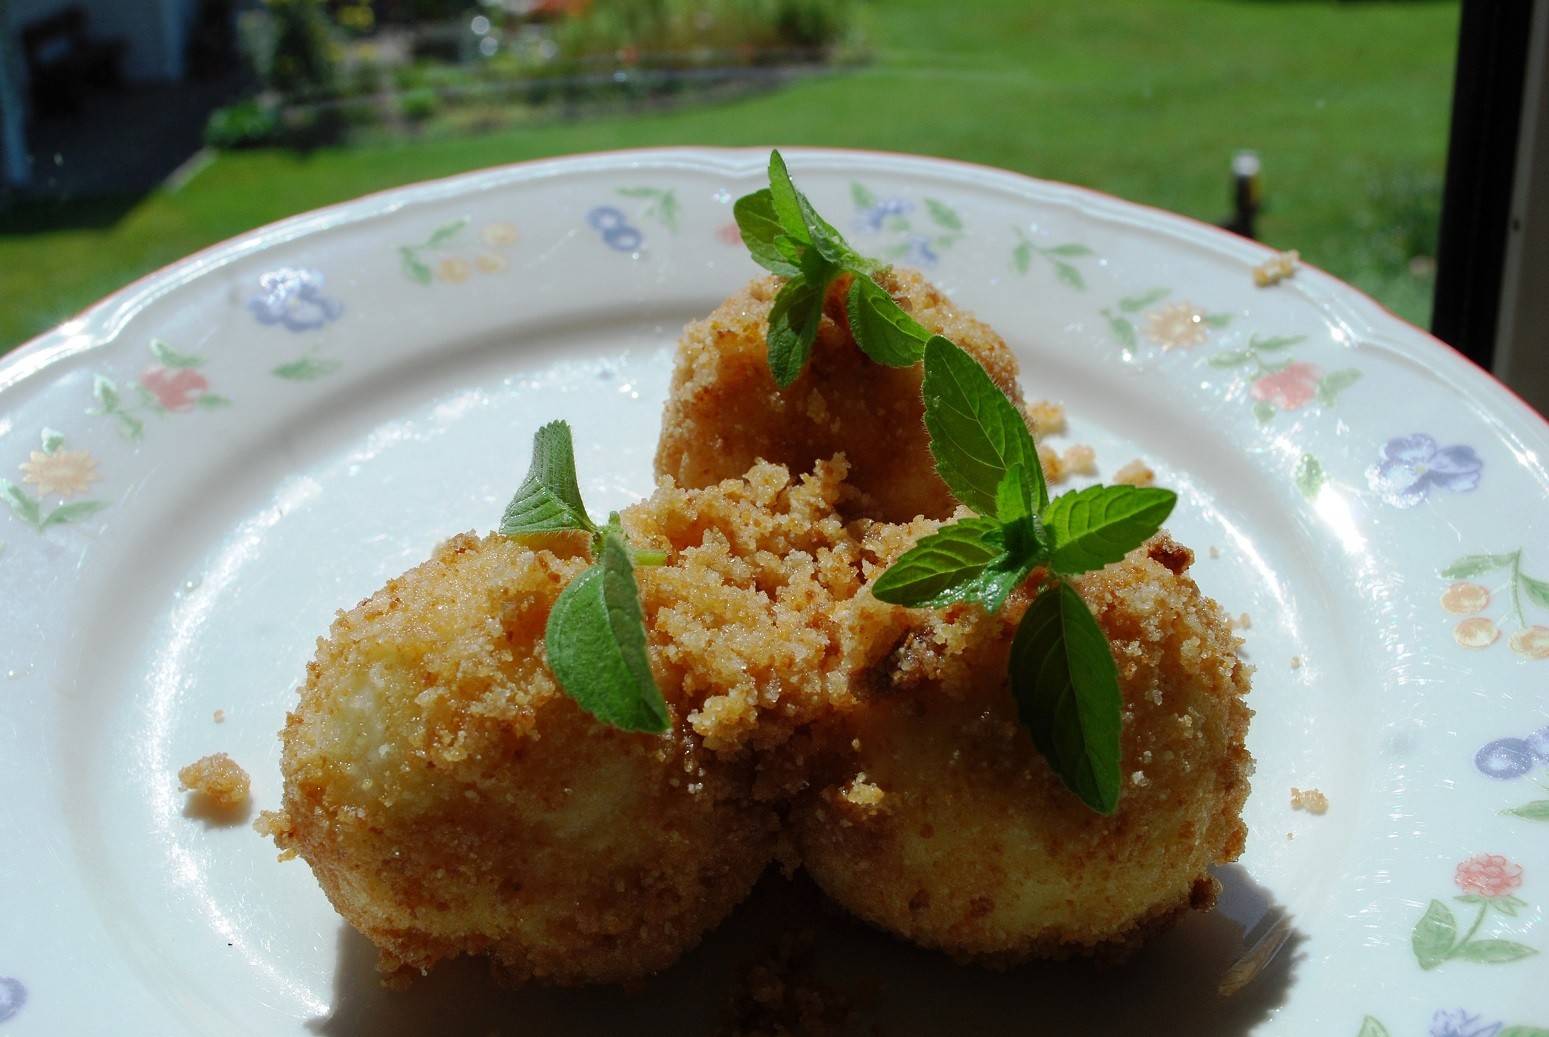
(1346, 105)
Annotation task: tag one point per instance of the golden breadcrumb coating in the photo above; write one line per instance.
(724, 411)
(451, 799)
(942, 823)
(218, 778)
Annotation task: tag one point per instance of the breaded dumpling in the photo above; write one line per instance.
(451, 799)
(724, 410)
(941, 822)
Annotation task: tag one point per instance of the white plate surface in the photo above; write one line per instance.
(202, 468)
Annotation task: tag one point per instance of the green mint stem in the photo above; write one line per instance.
(1516, 585)
(649, 557)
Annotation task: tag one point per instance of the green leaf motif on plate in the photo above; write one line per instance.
(1537, 810)
(169, 357)
(1136, 303)
(1309, 476)
(1370, 1027)
(1492, 952)
(306, 369)
(1434, 935)
(1470, 566)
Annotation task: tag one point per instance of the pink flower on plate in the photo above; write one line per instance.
(729, 234)
(174, 388)
(1489, 875)
(1291, 387)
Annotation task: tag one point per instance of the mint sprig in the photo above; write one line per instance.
(1062, 672)
(549, 499)
(595, 637)
(787, 236)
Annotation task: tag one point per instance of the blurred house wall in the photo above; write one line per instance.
(155, 31)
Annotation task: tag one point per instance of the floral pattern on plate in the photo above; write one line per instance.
(1174, 325)
(55, 472)
(1061, 258)
(1488, 882)
(170, 385)
(441, 256)
(12, 997)
(908, 238)
(1411, 466)
(292, 298)
(1281, 385)
(1464, 597)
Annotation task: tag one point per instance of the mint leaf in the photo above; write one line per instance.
(1473, 565)
(549, 499)
(1067, 693)
(1434, 935)
(829, 243)
(1493, 952)
(1101, 524)
(881, 328)
(761, 230)
(976, 434)
(939, 569)
(1018, 496)
(793, 325)
(596, 645)
(786, 200)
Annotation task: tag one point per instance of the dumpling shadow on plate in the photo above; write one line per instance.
(1218, 973)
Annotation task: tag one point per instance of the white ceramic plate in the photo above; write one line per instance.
(202, 468)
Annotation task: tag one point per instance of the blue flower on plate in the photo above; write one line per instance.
(12, 996)
(919, 251)
(615, 228)
(875, 215)
(293, 298)
(1461, 1024)
(1505, 758)
(1411, 466)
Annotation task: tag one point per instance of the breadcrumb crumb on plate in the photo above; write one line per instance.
(1310, 801)
(1135, 473)
(217, 778)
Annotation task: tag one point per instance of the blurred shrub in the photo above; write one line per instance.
(303, 60)
(246, 124)
(419, 104)
(629, 29)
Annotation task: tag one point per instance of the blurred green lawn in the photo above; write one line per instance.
(1347, 103)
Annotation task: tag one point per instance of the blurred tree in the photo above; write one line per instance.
(304, 55)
